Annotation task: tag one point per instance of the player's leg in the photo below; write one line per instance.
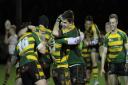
(95, 69)
(55, 76)
(32, 73)
(18, 80)
(61, 76)
(65, 76)
(38, 74)
(106, 73)
(112, 77)
(88, 69)
(46, 69)
(126, 75)
(41, 82)
(77, 74)
(25, 76)
(82, 74)
(121, 72)
(126, 80)
(7, 70)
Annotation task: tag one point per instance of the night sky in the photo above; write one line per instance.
(32, 9)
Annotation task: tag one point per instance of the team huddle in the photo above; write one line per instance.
(67, 54)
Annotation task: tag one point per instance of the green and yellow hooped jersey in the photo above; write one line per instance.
(26, 48)
(85, 51)
(115, 44)
(92, 33)
(60, 60)
(48, 37)
(73, 51)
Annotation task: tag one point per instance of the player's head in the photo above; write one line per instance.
(7, 24)
(88, 21)
(43, 20)
(113, 19)
(67, 18)
(107, 27)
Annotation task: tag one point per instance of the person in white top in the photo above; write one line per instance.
(11, 41)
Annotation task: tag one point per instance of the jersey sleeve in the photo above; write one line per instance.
(69, 41)
(62, 41)
(125, 38)
(95, 33)
(37, 38)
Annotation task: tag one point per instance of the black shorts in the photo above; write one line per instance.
(117, 68)
(88, 63)
(78, 74)
(61, 76)
(46, 70)
(31, 72)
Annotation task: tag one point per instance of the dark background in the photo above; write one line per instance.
(30, 10)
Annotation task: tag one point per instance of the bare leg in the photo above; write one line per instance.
(112, 79)
(95, 67)
(7, 72)
(18, 81)
(126, 80)
(41, 82)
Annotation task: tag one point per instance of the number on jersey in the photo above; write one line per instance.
(23, 44)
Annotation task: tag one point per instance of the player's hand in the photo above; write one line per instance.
(102, 72)
(42, 47)
(59, 18)
(81, 36)
(51, 42)
(86, 42)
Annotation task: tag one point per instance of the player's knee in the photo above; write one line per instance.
(19, 81)
(41, 82)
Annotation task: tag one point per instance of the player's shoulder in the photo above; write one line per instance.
(121, 32)
(94, 27)
(107, 34)
(27, 34)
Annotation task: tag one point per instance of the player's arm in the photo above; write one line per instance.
(16, 54)
(6, 37)
(103, 58)
(126, 46)
(104, 53)
(95, 37)
(41, 45)
(71, 40)
(56, 31)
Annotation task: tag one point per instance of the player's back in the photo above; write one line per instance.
(26, 48)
